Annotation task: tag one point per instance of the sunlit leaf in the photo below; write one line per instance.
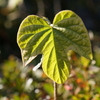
(37, 36)
(85, 62)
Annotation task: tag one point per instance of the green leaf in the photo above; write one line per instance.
(37, 36)
(48, 88)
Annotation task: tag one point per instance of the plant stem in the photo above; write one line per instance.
(55, 91)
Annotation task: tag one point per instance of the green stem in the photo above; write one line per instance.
(55, 91)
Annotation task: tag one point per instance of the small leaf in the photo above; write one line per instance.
(37, 36)
(85, 62)
(48, 88)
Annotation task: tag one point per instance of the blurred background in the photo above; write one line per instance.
(22, 83)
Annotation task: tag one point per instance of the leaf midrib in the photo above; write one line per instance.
(59, 67)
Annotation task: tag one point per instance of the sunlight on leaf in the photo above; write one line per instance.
(85, 62)
(37, 36)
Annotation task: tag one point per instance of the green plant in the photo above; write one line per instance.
(37, 35)
(20, 83)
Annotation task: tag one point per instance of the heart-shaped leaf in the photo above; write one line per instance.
(37, 36)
